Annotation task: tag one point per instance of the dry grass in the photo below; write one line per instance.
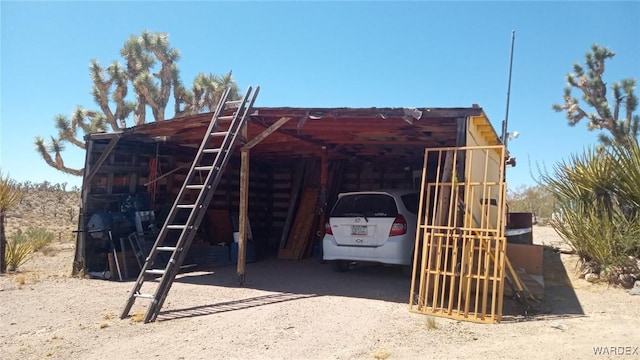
(108, 316)
(137, 317)
(104, 325)
(431, 323)
(21, 279)
(381, 354)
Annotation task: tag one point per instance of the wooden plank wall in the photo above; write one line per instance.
(282, 182)
(367, 176)
(124, 173)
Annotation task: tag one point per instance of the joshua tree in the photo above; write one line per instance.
(151, 72)
(623, 127)
(10, 195)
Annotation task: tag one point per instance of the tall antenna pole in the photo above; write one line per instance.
(505, 134)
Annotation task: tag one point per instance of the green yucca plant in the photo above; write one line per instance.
(39, 237)
(608, 240)
(628, 172)
(19, 250)
(598, 198)
(10, 194)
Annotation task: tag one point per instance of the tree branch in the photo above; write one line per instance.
(58, 163)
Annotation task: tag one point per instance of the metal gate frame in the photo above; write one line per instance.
(459, 257)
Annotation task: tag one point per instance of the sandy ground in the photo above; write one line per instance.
(302, 310)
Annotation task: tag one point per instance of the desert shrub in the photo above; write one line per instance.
(597, 197)
(39, 236)
(19, 250)
(608, 240)
(533, 199)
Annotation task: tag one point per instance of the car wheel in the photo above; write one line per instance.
(339, 265)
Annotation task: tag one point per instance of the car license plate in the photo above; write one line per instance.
(358, 230)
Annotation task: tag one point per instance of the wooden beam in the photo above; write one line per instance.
(450, 112)
(244, 211)
(263, 135)
(288, 134)
(303, 120)
(324, 166)
(105, 135)
(167, 174)
(105, 154)
(79, 261)
(461, 140)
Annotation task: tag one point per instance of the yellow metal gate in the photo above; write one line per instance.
(459, 258)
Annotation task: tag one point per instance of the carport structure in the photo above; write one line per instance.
(282, 179)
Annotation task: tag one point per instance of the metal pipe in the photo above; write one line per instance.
(505, 134)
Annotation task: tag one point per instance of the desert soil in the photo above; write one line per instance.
(301, 310)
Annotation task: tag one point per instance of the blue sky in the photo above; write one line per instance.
(354, 54)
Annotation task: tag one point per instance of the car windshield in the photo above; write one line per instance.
(366, 205)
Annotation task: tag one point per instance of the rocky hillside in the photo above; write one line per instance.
(51, 208)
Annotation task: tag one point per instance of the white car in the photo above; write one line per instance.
(371, 226)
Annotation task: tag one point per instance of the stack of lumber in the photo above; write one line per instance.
(303, 225)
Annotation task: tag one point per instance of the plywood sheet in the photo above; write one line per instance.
(526, 257)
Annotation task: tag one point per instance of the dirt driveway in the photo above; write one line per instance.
(301, 310)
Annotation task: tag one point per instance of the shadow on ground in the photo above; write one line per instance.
(560, 300)
(310, 278)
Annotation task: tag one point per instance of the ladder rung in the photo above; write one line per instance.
(195, 187)
(176, 227)
(155, 272)
(203, 168)
(228, 117)
(211, 151)
(144, 296)
(219, 133)
(233, 102)
(166, 248)
(186, 206)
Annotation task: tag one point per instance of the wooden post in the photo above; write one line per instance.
(443, 209)
(80, 260)
(321, 213)
(244, 210)
(324, 171)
